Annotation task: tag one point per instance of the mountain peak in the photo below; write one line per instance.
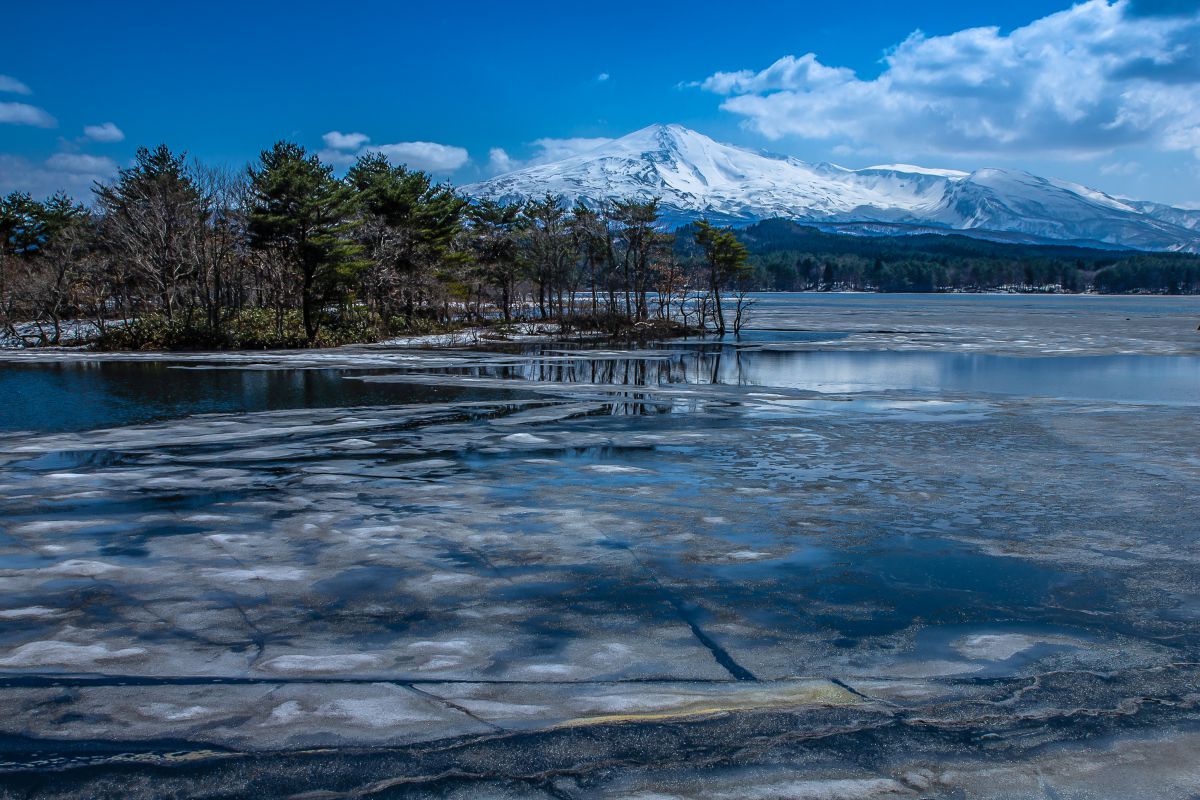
(660, 131)
(694, 176)
(660, 137)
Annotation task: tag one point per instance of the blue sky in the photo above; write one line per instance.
(1107, 94)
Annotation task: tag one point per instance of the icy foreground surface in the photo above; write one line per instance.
(678, 572)
(696, 177)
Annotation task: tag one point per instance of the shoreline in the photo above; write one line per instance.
(535, 331)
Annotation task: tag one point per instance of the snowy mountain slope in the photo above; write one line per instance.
(1183, 217)
(1003, 200)
(695, 177)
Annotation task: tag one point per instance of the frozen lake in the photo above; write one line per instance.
(882, 546)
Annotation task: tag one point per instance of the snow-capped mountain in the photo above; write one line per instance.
(695, 177)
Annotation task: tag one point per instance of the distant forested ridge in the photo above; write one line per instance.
(285, 253)
(790, 256)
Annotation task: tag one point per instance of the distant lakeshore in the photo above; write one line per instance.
(81, 336)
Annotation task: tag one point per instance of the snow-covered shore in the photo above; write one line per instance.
(472, 337)
(77, 334)
(72, 333)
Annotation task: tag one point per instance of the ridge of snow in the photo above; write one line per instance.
(915, 170)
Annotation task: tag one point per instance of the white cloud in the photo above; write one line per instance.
(13, 86)
(602, 77)
(499, 162)
(343, 149)
(73, 173)
(81, 163)
(24, 114)
(106, 132)
(558, 149)
(544, 151)
(428, 156)
(786, 73)
(1082, 82)
(336, 140)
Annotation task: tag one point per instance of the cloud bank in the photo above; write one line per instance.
(1076, 84)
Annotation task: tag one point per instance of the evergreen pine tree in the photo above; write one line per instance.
(410, 228)
(299, 208)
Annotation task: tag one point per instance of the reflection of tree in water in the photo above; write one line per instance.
(697, 366)
(694, 367)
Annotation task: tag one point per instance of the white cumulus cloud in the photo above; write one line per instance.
(343, 149)
(25, 114)
(428, 156)
(106, 132)
(499, 161)
(336, 140)
(1099, 76)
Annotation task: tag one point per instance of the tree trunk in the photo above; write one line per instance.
(720, 313)
(306, 308)
(592, 278)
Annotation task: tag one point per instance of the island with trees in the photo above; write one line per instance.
(174, 254)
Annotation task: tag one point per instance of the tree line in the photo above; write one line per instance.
(788, 256)
(285, 253)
